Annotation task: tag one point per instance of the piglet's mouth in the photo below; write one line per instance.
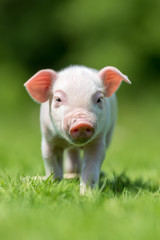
(81, 132)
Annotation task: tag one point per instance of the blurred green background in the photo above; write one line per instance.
(54, 34)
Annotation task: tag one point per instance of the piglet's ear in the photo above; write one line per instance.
(39, 86)
(112, 79)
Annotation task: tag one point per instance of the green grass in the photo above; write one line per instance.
(127, 204)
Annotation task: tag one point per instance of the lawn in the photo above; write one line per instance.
(127, 203)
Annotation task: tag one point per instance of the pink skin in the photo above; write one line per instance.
(81, 130)
(78, 111)
(79, 125)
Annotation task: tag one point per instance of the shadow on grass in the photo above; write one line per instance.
(121, 182)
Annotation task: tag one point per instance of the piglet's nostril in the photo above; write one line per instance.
(75, 130)
(88, 130)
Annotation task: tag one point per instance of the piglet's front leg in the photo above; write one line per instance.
(52, 159)
(94, 155)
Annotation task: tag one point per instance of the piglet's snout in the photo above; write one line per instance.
(82, 131)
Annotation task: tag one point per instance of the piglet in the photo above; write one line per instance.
(78, 111)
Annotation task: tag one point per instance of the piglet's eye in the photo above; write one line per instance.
(58, 99)
(99, 100)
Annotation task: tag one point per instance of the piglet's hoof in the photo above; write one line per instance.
(71, 175)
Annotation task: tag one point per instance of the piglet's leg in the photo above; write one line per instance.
(94, 155)
(72, 161)
(53, 160)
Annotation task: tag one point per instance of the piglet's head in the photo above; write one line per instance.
(77, 99)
